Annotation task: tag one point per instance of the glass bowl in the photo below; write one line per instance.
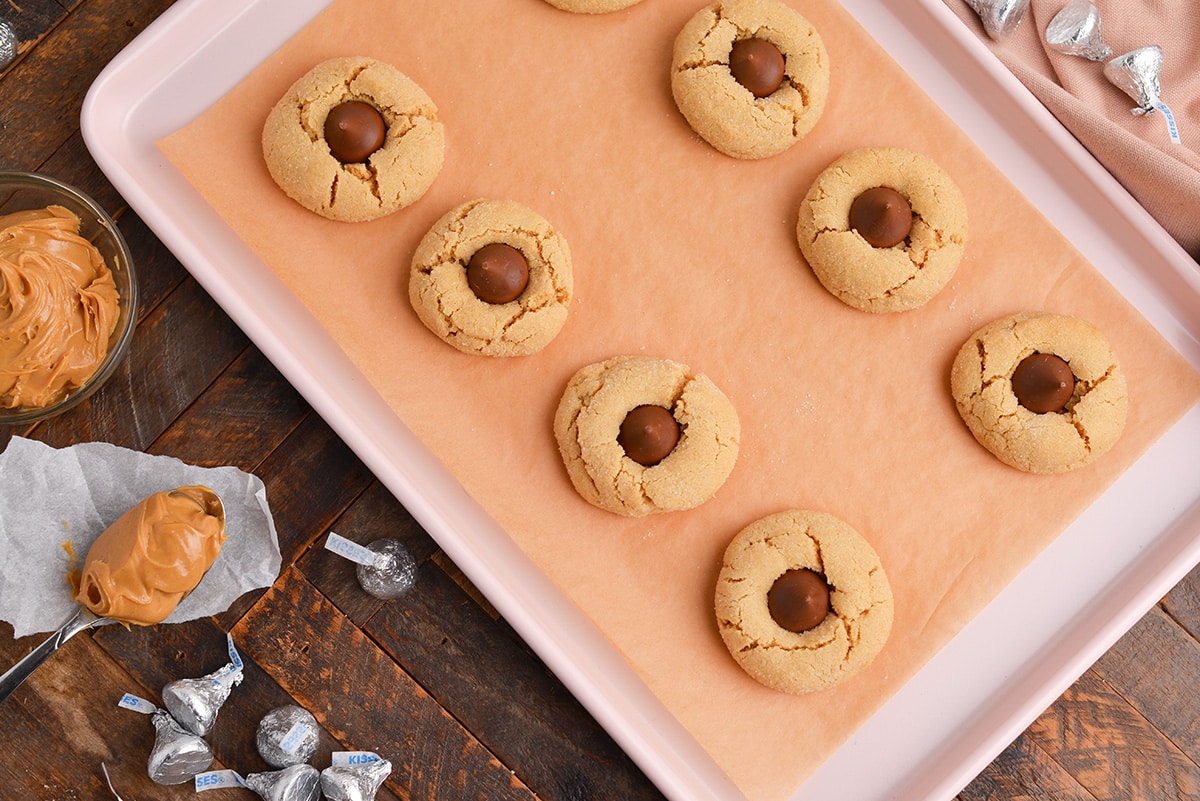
(22, 191)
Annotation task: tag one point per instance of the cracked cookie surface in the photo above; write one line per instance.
(883, 279)
(722, 111)
(392, 177)
(1051, 442)
(588, 421)
(860, 599)
(442, 297)
(592, 6)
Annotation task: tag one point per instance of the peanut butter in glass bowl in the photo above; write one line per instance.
(68, 297)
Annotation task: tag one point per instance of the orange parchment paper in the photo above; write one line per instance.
(681, 252)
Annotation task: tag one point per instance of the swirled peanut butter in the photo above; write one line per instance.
(58, 307)
(144, 564)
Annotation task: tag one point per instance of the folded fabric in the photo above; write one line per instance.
(1163, 176)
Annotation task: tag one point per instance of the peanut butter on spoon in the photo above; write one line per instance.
(140, 568)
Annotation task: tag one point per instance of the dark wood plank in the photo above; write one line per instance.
(1183, 603)
(244, 415)
(480, 671)
(1110, 749)
(311, 479)
(1148, 666)
(42, 94)
(1024, 772)
(460, 578)
(73, 164)
(304, 643)
(158, 272)
(7, 432)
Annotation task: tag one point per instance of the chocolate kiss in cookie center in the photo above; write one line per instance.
(497, 273)
(353, 131)
(799, 600)
(757, 65)
(882, 216)
(1043, 383)
(648, 434)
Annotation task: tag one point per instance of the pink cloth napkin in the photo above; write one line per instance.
(1137, 150)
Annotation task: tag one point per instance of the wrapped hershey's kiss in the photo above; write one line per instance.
(354, 776)
(293, 783)
(386, 568)
(8, 43)
(1000, 17)
(177, 755)
(195, 702)
(287, 735)
(1137, 74)
(1075, 30)
(392, 574)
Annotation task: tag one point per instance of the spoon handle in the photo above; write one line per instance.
(81, 620)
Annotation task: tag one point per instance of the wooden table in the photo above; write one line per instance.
(436, 681)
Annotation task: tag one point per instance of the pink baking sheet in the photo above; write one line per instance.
(686, 254)
(1087, 586)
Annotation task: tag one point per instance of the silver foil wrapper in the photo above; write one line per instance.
(195, 702)
(287, 735)
(1136, 73)
(354, 782)
(177, 755)
(8, 44)
(1000, 17)
(1075, 30)
(395, 574)
(293, 783)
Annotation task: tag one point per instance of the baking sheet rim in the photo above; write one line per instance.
(127, 155)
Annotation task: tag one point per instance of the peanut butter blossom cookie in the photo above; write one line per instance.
(802, 601)
(883, 229)
(750, 76)
(592, 6)
(1043, 392)
(492, 278)
(354, 139)
(640, 435)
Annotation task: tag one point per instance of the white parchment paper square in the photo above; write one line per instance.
(50, 497)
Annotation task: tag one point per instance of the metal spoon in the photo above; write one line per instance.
(85, 619)
(82, 620)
